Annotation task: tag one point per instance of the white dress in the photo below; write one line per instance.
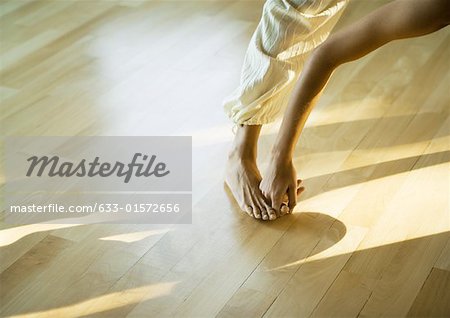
(287, 33)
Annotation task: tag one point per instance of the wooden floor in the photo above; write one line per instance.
(370, 236)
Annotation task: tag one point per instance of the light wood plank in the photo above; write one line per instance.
(370, 236)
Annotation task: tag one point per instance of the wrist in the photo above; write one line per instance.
(281, 156)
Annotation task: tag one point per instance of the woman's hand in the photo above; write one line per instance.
(280, 179)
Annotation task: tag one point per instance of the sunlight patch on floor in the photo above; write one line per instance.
(11, 235)
(108, 302)
(345, 246)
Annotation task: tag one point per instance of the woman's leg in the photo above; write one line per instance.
(287, 33)
(243, 176)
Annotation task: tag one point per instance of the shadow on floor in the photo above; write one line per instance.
(366, 282)
(336, 180)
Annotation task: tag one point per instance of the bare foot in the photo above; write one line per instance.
(285, 205)
(243, 177)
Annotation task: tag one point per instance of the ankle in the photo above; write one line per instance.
(245, 143)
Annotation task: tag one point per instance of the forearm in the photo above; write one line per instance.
(313, 79)
(396, 20)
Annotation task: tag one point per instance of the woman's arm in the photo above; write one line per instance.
(396, 20)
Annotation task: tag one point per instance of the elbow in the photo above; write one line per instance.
(323, 58)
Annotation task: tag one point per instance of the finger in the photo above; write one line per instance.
(284, 209)
(276, 203)
(269, 208)
(300, 190)
(292, 192)
(284, 205)
(285, 198)
(268, 205)
(299, 182)
(248, 209)
(274, 212)
(260, 206)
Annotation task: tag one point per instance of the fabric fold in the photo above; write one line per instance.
(286, 34)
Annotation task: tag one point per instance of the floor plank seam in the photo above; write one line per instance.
(268, 307)
(300, 266)
(364, 305)
(31, 247)
(133, 265)
(326, 291)
(425, 280)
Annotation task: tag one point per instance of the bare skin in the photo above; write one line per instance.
(396, 20)
(243, 176)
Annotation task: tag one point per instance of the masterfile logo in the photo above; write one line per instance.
(92, 163)
(54, 168)
(99, 179)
